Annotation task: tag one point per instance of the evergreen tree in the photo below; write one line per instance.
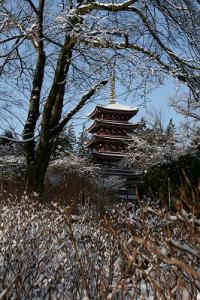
(158, 126)
(195, 143)
(64, 143)
(152, 146)
(82, 151)
(170, 130)
(170, 137)
(9, 145)
(60, 145)
(8, 134)
(142, 125)
(71, 135)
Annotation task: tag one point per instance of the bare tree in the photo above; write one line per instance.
(190, 110)
(54, 51)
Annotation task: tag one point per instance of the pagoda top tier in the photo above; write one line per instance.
(118, 106)
(113, 109)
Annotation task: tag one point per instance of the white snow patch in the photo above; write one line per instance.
(119, 106)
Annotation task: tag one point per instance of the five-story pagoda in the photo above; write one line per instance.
(111, 130)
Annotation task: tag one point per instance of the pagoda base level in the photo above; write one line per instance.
(104, 157)
(132, 185)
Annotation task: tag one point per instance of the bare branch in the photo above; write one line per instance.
(78, 107)
(11, 38)
(33, 7)
(114, 7)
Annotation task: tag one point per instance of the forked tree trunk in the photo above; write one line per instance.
(38, 158)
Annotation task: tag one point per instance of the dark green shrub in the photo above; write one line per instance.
(173, 179)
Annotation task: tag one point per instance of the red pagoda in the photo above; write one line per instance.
(111, 131)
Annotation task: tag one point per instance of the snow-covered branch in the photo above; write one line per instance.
(151, 146)
(79, 105)
(105, 6)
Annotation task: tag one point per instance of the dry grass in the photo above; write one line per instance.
(48, 252)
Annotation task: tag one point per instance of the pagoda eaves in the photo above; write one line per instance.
(111, 130)
(111, 124)
(114, 156)
(116, 109)
(107, 139)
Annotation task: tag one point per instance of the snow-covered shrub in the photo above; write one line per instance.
(150, 148)
(12, 168)
(81, 180)
(74, 165)
(69, 178)
(48, 253)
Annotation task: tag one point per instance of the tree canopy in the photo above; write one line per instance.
(56, 55)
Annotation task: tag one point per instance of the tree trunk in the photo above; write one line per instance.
(36, 169)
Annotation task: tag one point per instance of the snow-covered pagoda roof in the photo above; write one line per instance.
(119, 106)
(114, 108)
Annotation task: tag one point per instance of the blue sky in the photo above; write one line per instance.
(157, 100)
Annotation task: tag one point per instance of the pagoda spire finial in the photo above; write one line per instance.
(112, 88)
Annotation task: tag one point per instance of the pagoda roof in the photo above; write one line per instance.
(114, 108)
(109, 154)
(118, 106)
(98, 137)
(110, 123)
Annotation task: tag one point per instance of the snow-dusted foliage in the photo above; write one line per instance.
(69, 177)
(74, 165)
(12, 162)
(150, 146)
(195, 143)
(83, 180)
(111, 183)
(12, 166)
(48, 253)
